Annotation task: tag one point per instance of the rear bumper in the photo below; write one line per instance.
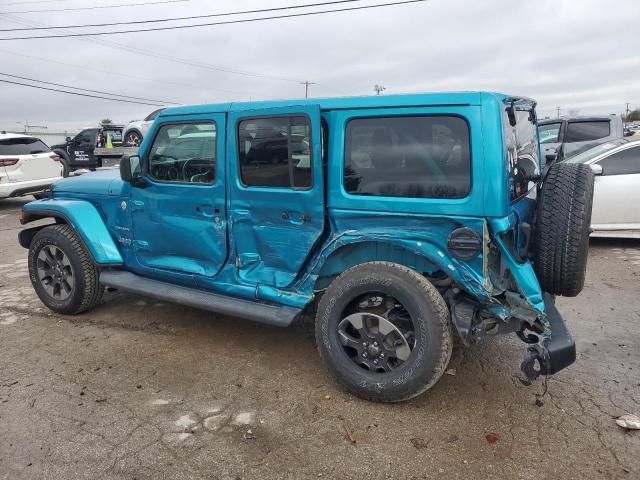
(554, 353)
(16, 189)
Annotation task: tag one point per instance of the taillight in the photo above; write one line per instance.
(7, 162)
(54, 157)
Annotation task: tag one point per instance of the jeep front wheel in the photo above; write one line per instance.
(384, 332)
(62, 272)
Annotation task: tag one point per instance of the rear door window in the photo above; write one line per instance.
(275, 152)
(22, 146)
(412, 157)
(587, 131)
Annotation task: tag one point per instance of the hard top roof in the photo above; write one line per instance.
(343, 103)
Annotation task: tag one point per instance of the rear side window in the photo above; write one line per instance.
(587, 131)
(412, 157)
(275, 152)
(625, 162)
(22, 146)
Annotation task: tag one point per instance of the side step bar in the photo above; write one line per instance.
(280, 316)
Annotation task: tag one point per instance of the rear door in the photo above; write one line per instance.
(276, 191)
(617, 192)
(27, 158)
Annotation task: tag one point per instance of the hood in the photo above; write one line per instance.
(100, 182)
(59, 146)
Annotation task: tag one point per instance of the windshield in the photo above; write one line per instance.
(593, 150)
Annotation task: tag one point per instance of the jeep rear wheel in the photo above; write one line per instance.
(384, 332)
(62, 272)
(563, 226)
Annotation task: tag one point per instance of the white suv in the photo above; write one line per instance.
(135, 131)
(27, 165)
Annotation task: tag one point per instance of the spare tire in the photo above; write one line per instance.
(563, 225)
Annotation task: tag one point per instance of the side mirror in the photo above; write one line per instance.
(130, 170)
(596, 169)
(68, 139)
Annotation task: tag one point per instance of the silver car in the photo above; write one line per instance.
(616, 193)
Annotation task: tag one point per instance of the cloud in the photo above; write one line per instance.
(570, 54)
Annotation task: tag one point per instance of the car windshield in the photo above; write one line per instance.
(593, 150)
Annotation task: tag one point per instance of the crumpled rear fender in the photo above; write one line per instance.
(85, 219)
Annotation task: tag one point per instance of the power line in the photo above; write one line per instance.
(74, 9)
(87, 89)
(79, 94)
(149, 53)
(168, 58)
(192, 17)
(229, 22)
(85, 68)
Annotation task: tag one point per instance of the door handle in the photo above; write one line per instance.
(207, 210)
(295, 217)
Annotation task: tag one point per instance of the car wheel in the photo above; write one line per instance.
(64, 161)
(62, 271)
(384, 332)
(133, 137)
(563, 226)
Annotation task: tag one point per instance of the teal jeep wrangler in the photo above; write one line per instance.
(394, 220)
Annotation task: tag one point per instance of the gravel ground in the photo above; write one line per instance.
(137, 389)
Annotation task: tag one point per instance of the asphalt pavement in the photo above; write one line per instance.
(140, 389)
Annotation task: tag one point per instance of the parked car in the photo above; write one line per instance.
(394, 220)
(87, 149)
(562, 138)
(136, 130)
(27, 165)
(617, 187)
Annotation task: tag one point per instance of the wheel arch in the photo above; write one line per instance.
(423, 257)
(82, 217)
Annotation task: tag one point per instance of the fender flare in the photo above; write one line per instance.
(438, 256)
(86, 221)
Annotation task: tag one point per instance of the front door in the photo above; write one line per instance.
(179, 217)
(82, 147)
(276, 191)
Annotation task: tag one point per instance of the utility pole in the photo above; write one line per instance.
(558, 110)
(626, 118)
(378, 88)
(306, 84)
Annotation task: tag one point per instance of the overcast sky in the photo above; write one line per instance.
(582, 55)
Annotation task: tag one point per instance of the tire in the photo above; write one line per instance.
(85, 292)
(64, 161)
(563, 226)
(133, 137)
(433, 338)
